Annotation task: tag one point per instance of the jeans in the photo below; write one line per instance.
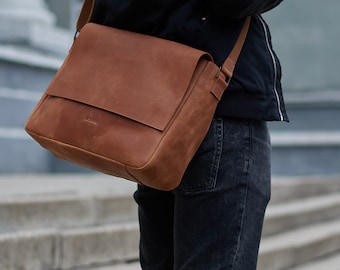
(214, 219)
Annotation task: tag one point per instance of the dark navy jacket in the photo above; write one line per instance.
(213, 26)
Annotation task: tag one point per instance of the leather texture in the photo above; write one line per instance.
(130, 105)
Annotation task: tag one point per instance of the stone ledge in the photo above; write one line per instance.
(81, 247)
(290, 215)
(65, 211)
(313, 98)
(305, 138)
(327, 262)
(298, 246)
(288, 189)
(19, 94)
(28, 250)
(30, 57)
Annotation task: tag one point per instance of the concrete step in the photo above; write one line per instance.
(331, 262)
(110, 244)
(286, 189)
(287, 216)
(100, 245)
(70, 248)
(290, 248)
(64, 201)
(124, 266)
(283, 251)
(79, 222)
(65, 211)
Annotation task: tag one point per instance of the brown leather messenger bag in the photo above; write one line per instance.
(131, 105)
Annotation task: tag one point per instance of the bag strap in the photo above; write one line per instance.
(85, 14)
(227, 67)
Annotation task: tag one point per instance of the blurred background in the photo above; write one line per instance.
(38, 191)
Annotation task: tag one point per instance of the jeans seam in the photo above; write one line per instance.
(218, 151)
(245, 198)
(212, 177)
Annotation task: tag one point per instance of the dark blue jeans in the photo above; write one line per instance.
(213, 220)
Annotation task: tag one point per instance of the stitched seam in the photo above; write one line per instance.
(218, 151)
(245, 198)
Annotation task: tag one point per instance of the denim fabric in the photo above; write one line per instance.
(213, 220)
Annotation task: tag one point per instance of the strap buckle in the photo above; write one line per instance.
(218, 74)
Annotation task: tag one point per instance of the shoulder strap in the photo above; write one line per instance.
(229, 64)
(85, 14)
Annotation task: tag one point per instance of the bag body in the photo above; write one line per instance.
(134, 113)
(131, 105)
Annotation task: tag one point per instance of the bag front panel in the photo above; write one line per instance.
(185, 133)
(84, 117)
(98, 131)
(136, 76)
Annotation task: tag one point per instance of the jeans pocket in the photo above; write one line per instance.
(202, 171)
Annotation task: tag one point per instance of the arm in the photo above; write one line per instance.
(240, 8)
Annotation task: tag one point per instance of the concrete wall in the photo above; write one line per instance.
(306, 37)
(66, 11)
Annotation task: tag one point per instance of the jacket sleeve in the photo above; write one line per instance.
(240, 8)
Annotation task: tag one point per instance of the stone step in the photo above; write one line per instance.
(291, 248)
(83, 247)
(65, 211)
(31, 203)
(286, 189)
(287, 216)
(103, 245)
(79, 222)
(124, 266)
(63, 201)
(285, 250)
(71, 248)
(331, 262)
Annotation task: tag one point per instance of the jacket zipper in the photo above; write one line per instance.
(275, 69)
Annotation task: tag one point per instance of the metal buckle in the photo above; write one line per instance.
(228, 79)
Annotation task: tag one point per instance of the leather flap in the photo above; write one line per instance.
(136, 76)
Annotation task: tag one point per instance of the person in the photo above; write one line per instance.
(214, 219)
